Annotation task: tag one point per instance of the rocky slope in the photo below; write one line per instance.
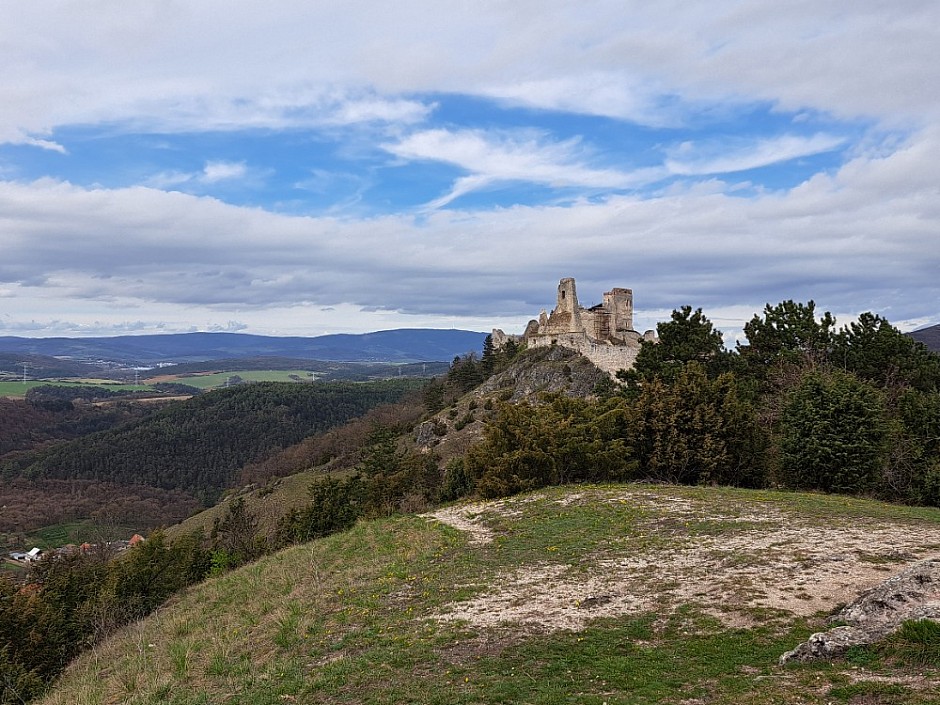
(533, 373)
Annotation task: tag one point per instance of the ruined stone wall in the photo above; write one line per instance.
(604, 333)
(609, 358)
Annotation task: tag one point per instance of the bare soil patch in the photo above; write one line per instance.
(774, 564)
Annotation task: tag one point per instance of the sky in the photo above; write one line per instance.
(299, 168)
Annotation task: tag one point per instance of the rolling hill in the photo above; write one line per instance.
(402, 345)
(928, 336)
(199, 444)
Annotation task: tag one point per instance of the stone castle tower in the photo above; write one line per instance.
(603, 333)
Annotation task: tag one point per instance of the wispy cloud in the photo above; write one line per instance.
(376, 109)
(212, 173)
(609, 94)
(45, 144)
(502, 157)
(492, 158)
(729, 156)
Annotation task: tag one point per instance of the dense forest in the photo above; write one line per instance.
(800, 405)
(199, 445)
(31, 423)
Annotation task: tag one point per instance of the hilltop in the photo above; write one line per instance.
(928, 336)
(622, 593)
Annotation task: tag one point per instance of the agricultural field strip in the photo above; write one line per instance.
(17, 389)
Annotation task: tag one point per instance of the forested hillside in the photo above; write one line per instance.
(28, 425)
(37, 365)
(199, 445)
(401, 345)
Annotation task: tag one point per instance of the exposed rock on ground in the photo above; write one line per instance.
(912, 594)
(742, 562)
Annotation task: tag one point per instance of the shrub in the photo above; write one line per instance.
(456, 482)
(559, 442)
(833, 434)
(697, 430)
(334, 506)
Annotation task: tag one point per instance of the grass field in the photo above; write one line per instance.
(17, 390)
(219, 379)
(408, 610)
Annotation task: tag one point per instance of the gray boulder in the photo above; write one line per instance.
(911, 594)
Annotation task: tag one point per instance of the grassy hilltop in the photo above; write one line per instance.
(593, 594)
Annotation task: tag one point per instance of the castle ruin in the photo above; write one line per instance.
(603, 333)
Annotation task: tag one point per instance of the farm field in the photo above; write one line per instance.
(219, 379)
(77, 532)
(17, 390)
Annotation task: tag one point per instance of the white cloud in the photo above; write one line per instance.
(863, 238)
(513, 157)
(215, 65)
(45, 144)
(375, 109)
(498, 157)
(213, 172)
(724, 157)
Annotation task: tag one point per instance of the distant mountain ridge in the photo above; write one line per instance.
(928, 336)
(399, 345)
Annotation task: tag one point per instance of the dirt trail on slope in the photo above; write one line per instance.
(777, 564)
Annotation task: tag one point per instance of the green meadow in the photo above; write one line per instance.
(17, 390)
(219, 379)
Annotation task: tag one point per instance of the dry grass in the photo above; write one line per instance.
(601, 594)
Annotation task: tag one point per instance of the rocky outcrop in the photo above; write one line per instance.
(531, 374)
(911, 594)
(552, 369)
